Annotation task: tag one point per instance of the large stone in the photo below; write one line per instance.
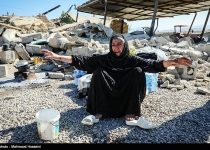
(203, 47)
(20, 49)
(57, 40)
(203, 90)
(9, 35)
(35, 49)
(27, 38)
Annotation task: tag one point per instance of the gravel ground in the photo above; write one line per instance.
(182, 116)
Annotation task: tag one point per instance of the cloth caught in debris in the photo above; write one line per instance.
(84, 83)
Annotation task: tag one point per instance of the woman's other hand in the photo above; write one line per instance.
(50, 55)
(183, 61)
(177, 62)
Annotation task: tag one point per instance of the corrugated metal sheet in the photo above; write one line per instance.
(143, 9)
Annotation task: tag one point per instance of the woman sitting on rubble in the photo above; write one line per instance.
(118, 84)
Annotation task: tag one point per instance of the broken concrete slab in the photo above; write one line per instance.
(203, 90)
(35, 49)
(28, 38)
(24, 21)
(67, 26)
(9, 35)
(21, 51)
(57, 40)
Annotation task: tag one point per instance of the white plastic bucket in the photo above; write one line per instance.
(48, 123)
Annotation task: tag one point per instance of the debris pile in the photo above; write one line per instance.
(21, 39)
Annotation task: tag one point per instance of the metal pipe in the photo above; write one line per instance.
(207, 17)
(77, 12)
(122, 26)
(157, 25)
(61, 18)
(77, 16)
(105, 12)
(153, 19)
(51, 10)
(191, 25)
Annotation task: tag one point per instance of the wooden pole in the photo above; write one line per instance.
(191, 25)
(8, 26)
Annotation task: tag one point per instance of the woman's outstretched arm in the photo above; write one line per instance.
(177, 62)
(50, 55)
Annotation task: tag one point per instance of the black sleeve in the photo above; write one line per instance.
(152, 66)
(85, 63)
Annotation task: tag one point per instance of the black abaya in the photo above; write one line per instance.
(118, 84)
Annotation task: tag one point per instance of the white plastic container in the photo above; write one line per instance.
(48, 123)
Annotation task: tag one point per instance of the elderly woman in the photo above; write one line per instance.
(118, 84)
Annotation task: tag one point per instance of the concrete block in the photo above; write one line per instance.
(27, 38)
(69, 53)
(7, 70)
(1, 41)
(161, 40)
(68, 77)
(9, 35)
(183, 44)
(20, 49)
(3, 71)
(82, 50)
(58, 42)
(34, 49)
(8, 57)
(188, 72)
(55, 75)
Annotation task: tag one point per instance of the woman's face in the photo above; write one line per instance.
(117, 46)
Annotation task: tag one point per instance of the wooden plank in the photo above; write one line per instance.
(8, 26)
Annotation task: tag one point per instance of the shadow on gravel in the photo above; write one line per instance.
(8, 81)
(29, 133)
(191, 127)
(73, 94)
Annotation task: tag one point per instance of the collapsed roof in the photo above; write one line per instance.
(133, 10)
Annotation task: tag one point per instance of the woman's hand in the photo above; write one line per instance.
(50, 55)
(177, 62)
(183, 61)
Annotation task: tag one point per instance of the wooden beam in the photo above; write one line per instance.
(8, 26)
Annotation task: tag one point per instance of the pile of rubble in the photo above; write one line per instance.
(21, 39)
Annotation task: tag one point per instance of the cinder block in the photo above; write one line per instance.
(55, 75)
(3, 71)
(188, 72)
(8, 57)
